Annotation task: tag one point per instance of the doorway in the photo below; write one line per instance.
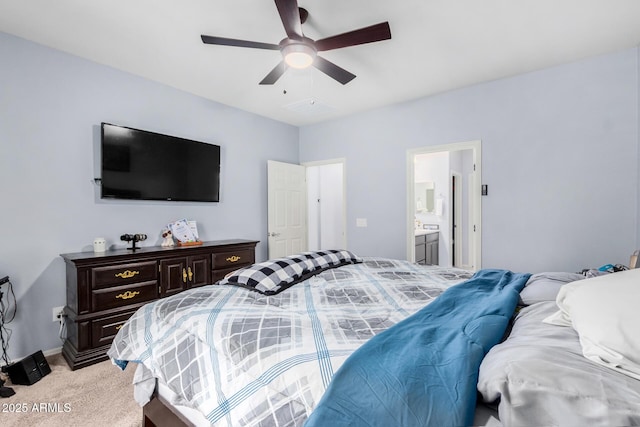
(453, 173)
(459, 236)
(326, 206)
(306, 207)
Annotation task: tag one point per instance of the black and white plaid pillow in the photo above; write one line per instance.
(330, 258)
(273, 276)
(266, 276)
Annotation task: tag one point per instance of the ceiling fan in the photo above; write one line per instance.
(299, 51)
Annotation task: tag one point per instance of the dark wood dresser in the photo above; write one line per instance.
(104, 289)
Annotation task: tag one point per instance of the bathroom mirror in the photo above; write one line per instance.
(425, 197)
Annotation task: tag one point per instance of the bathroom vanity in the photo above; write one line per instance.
(427, 246)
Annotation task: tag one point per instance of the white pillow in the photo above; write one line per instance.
(605, 312)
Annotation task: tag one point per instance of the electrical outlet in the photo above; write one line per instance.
(57, 313)
(361, 222)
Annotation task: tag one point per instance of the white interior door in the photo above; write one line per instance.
(287, 228)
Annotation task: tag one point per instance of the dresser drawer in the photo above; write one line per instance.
(104, 330)
(124, 274)
(237, 258)
(103, 299)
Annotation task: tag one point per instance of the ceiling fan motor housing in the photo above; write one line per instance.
(298, 53)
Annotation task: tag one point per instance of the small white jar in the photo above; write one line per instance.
(99, 244)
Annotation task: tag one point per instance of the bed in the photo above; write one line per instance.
(329, 338)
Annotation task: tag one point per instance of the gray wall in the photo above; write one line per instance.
(559, 153)
(51, 106)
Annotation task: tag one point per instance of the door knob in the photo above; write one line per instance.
(273, 234)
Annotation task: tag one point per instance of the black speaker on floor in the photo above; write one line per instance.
(29, 370)
(43, 365)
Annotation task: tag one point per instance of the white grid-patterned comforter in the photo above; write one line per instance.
(242, 358)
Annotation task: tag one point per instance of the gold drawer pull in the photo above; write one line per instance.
(127, 274)
(190, 273)
(184, 275)
(128, 295)
(233, 258)
(119, 326)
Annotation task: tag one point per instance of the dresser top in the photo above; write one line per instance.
(153, 250)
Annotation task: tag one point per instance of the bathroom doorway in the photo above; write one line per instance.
(452, 203)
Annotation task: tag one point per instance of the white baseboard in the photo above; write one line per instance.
(52, 351)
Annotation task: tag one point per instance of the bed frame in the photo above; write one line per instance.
(158, 414)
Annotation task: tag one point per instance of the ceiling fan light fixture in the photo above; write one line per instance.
(298, 55)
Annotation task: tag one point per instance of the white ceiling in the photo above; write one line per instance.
(436, 45)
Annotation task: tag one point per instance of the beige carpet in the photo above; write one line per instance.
(98, 395)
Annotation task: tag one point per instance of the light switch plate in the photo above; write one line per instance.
(361, 222)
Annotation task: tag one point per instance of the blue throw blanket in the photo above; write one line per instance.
(424, 370)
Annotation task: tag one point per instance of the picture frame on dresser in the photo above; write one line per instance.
(105, 289)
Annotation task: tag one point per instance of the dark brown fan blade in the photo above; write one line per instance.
(275, 74)
(374, 33)
(290, 16)
(240, 43)
(333, 71)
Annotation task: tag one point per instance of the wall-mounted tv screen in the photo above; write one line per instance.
(138, 164)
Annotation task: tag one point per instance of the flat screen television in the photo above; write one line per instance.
(143, 165)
